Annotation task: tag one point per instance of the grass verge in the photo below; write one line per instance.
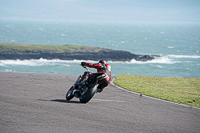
(179, 90)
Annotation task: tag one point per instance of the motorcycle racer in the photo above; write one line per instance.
(102, 76)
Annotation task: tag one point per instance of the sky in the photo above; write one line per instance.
(117, 11)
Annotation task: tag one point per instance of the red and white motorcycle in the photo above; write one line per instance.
(82, 89)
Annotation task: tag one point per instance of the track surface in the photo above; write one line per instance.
(35, 103)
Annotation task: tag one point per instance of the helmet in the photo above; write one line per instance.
(102, 61)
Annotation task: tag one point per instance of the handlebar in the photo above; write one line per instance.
(85, 67)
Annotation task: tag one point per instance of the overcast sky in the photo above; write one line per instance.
(120, 11)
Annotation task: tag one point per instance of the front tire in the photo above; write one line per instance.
(69, 94)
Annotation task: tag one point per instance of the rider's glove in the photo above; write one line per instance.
(82, 63)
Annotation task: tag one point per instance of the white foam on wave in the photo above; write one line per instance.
(170, 47)
(17, 62)
(41, 62)
(169, 59)
(184, 56)
(160, 60)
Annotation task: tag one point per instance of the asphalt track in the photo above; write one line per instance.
(35, 103)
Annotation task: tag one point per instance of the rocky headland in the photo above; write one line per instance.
(74, 52)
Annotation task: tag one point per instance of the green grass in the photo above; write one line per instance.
(24, 47)
(179, 90)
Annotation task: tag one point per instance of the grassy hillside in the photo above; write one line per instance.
(24, 47)
(180, 90)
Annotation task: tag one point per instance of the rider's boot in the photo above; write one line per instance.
(99, 90)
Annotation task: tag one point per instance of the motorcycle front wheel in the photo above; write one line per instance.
(69, 94)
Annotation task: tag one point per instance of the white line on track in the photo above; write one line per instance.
(100, 100)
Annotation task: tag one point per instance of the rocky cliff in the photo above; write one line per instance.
(82, 53)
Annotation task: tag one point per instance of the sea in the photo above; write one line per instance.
(178, 45)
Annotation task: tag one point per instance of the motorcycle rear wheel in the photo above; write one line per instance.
(69, 94)
(88, 95)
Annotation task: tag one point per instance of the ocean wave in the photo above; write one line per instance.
(184, 56)
(158, 60)
(40, 62)
(43, 62)
(170, 47)
(168, 59)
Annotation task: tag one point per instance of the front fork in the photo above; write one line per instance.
(81, 78)
(78, 79)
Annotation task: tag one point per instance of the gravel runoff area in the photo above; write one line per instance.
(35, 103)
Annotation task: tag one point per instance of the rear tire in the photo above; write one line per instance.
(69, 94)
(88, 95)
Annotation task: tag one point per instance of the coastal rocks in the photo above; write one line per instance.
(79, 54)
